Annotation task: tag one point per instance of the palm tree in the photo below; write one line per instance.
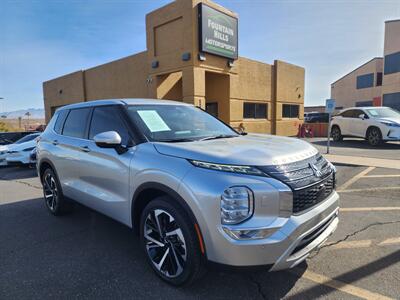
(28, 114)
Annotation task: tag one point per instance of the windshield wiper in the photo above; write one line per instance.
(215, 137)
(176, 140)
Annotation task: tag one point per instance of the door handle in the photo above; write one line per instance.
(84, 148)
(55, 143)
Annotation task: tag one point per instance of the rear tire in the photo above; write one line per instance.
(52, 193)
(374, 136)
(170, 242)
(336, 134)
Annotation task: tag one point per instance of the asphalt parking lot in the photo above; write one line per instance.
(358, 147)
(87, 255)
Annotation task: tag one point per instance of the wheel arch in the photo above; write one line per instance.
(371, 127)
(43, 165)
(150, 190)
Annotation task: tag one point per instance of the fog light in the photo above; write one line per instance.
(236, 205)
(249, 234)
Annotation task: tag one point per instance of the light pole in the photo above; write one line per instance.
(2, 107)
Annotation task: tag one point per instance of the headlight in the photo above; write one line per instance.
(237, 204)
(29, 149)
(228, 168)
(390, 124)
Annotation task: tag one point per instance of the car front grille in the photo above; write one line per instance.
(310, 196)
(312, 180)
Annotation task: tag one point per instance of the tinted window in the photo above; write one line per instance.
(392, 100)
(27, 138)
(255, 111)
(75, 125)
(392, 63)
(60, 121)
(379, 79)
(290, 111)
(108, 119)
(212, 109)
(365, 81)
(348, 113)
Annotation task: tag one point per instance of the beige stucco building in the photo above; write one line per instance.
(377, 82)
(263, 97)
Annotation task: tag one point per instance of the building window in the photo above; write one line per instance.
(392, 100)
(364, 103)
(255, 111)
(365, 81)
(392, 63)
(290, 110)
(212, 109)
(379, 79)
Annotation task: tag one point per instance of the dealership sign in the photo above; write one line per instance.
(218, 32)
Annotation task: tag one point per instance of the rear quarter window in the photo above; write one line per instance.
(58, 126)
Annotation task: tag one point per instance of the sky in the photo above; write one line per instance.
(44, 39)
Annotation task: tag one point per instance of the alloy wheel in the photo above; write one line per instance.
(374, 137)
(165, 243)
(335, 134)
(50, 192)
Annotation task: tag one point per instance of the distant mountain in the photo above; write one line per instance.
(36, 113)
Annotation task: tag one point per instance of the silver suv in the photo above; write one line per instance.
(190, 186)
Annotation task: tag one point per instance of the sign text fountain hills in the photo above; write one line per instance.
(218, 32)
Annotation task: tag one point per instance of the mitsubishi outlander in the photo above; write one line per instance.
(192, 188)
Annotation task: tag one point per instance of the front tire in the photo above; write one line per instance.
(374, 136)
(53, 196)
(336, 134)
(170, 242)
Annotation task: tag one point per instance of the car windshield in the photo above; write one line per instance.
(27, 138)
(177, 123)
(384, 112)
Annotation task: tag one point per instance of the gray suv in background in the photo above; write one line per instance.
(191, 187)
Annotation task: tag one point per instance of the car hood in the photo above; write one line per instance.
(22, 146)
(394, 120)
(252, 150)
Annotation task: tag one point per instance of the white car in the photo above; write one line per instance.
(3, 154)
(375, 124)
(19, 153)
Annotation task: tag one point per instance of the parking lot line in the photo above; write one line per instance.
(356, 209)
(342, 286)
(382, 176)
(355, 178)
(391, 241)
(365, 243)
(384, 188)
(353, 244)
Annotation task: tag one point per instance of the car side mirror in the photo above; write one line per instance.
(361, 116)
(108, 139)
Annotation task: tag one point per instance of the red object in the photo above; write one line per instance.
(377, 101)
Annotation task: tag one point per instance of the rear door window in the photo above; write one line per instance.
(348, 113)
(76, 122)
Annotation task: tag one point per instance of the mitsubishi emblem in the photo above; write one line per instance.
(315, 170)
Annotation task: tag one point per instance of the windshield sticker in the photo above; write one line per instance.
(373, 112)
(153, 120)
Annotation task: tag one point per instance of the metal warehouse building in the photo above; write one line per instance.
(192, 56)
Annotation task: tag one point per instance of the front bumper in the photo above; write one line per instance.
(392, 134)
(273, 208)
(289, 245)
(18, 158)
